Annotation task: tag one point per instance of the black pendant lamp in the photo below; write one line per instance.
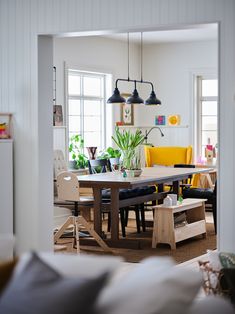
(116, 97)
(152, 100)
(134, 98)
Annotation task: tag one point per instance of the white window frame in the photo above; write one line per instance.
(82, 98)
(198, 110)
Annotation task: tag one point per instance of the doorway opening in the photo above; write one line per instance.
(158, 71)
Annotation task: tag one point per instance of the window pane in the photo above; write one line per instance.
(92, 86)
(74, 85)
(74, 107)
(92, 107)
(91, 123)
(209, 123)
(209, 108)
(209, 88)
(92, 139)
(212, 135)
(74, 124)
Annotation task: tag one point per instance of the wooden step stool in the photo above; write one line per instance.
(164, 230)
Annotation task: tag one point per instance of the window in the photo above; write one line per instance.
(86, 107)
(207, 103)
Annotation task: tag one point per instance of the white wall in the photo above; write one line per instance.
(20, 24)
(95, 54)
(168, 66)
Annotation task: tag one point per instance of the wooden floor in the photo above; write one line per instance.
(190, 264)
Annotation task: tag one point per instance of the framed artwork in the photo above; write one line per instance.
(160, 120)
(5, 125)
(57, 115)
(174, 119)
(127, 112)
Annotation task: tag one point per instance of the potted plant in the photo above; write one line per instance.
(110, 153)
(113, 155)
(129, 144)
(76, 145)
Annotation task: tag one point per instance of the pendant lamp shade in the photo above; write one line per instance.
(134, 98)
(152, 100)
(116, 97)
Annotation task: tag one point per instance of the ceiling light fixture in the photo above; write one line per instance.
(134, 98)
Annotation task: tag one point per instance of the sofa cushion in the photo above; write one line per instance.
(71, 265)
(153, 286)
(41, 289)
(211, 305)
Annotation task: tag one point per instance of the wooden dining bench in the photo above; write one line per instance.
(166, 231)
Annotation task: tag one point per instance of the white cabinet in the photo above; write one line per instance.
(6, 186)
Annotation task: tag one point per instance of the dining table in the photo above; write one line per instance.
(115, 181)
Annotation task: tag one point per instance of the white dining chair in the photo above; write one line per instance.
(69, 190)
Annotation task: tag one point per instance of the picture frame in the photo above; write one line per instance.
(160, 120)
(57, 115)
(174, 120)
(127, 112)
(5, 125)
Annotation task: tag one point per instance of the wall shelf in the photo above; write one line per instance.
(150, 126)
(59, 126)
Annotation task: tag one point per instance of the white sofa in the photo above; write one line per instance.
(153, 286)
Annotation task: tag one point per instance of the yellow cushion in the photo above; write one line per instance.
(167, 155)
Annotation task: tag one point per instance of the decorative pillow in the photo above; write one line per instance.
(153, 286)
(40, 289)
(73, 265)
(6, 270)
(211, 305)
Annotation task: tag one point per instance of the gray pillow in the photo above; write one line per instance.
(39, 289)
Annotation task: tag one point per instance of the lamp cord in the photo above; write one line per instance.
(141, 57)
(128, 56)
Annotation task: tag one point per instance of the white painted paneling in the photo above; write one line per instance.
(20, 23)
(6, 187)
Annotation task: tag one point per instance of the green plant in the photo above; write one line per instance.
(127, 140)
(110, 153)
(128, 143)
(76, 145)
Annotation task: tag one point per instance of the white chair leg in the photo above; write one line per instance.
(76, 222)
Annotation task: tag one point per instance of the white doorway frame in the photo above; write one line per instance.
(45, 97)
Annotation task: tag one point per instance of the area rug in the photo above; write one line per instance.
(185, 250)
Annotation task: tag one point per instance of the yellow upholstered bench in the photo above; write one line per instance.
(168, 155)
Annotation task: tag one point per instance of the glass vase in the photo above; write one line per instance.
(130, 159)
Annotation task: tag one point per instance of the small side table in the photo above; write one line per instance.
(164, 230)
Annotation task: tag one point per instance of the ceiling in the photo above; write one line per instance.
(197, 33)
